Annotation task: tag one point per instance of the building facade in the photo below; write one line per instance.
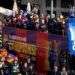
(59, 6)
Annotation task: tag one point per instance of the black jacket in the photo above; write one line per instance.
(53, 73)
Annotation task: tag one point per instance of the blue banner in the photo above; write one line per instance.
(31, 37)
(9, 30)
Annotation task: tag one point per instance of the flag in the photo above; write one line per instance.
(28, 8)
(15, 7)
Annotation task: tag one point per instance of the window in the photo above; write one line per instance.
(48, 3)
(65, 14)
(49, 12)
(66, 3)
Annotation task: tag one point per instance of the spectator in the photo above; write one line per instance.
(64, 71)
(25, 69)
(55, 71)
(1, 67)
(15, 67)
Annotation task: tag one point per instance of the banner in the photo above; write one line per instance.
(32, 43)
(31, 37)
(42, 59)
(56, 37)
(17, 38)
(42, 40)
(24, 48)
(21, 32)
(9, 30)
(42, 52)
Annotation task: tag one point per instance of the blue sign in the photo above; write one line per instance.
(71, 35)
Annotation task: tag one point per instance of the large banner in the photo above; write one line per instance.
(31, 43)
(42, 59)
(42, 51)
(21, 32)
(42, 40)
(31, 37)
(9, 30)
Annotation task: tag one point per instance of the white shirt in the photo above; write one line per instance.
(64, 73)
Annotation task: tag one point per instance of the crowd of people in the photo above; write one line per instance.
(63, 71)
(12, 65)
(34, 22)
(37, 22)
